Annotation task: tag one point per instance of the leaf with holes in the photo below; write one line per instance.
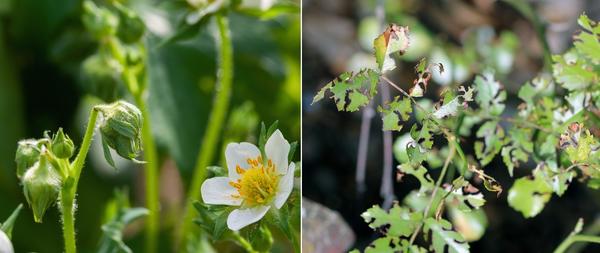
(397, 111)
(351, 91)
(420, 173)
(398, 222)
(394, 39)
(443, 238)
(490, 97)
(463, 196)
(528, 195)
(451, 104)
(493, 139)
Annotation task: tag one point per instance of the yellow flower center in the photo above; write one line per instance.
(258, 184)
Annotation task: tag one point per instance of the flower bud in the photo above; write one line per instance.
(5, 244)
(62, 145)
(99, 21)
(27, 154)
(131, 26)
(121, 129)
(41, 184)
(101, 76)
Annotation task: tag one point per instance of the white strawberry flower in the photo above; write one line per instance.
(5, 244)
(252, 184)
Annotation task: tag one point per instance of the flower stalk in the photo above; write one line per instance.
(216, 120)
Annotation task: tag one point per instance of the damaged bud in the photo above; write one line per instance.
(26, 156)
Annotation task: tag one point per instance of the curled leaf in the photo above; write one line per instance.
(394, 39)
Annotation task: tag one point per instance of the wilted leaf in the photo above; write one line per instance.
(351, 91)
(394, 39)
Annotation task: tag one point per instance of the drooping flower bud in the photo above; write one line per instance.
(62, 145)
(121, 129)
(27, 154)
(5, 244)
(41, 184)
(100, 22)
(101, 76)
(131, 26)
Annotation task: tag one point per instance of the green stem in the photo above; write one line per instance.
(67, 198)
(69, 188)
(151, 172)
(576, 238)
(215, 122)
(244, 243)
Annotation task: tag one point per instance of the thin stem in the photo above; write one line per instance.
(151, 172)
(215, 122)
(363, 143)
(77, 164)
(576, 238)
(244, 243)
(449, 158)
(67, 193)
(387, 186)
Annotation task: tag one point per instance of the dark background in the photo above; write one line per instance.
(331, 34)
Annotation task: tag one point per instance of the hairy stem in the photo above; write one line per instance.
(215, 122)
(576, 238)
(69, 188)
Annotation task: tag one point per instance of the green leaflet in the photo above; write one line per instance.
(443, 238)
(424, 136)
(587, 42)
(489, 96)
(572, 71)
(394, 39)
(471, 225)
(391, 244)
(397, 111)
(351, 91)
(398, 222)
(511, 156)
(529, 195)
(493, 140)
(420, 173)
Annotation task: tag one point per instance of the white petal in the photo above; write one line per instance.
(240, 218)
(5, 244)
(217, 191)
(238, 154)
(286, 183)
(277, 149)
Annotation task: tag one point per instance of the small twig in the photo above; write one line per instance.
(363, 143)
(387, 186)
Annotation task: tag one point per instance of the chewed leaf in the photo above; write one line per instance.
(490, 97)
(392, 244)
(394, 39)
(493, 140)
(528, 195)
(420, 173)
(398, 111)
(351, 91)
(398, 222)
(424, 74)
(443, 238)
(579, 144)
(588, 42)
(572, 71)
(511, 156)
(464, 197)
(451, 107)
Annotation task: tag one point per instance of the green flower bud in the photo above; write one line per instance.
(131, 26)
(26, 156)
(41, 184)
(99, 21)
(101, 76)
(62, 145)
(121, 129)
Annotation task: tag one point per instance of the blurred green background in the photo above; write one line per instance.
(42, 45)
